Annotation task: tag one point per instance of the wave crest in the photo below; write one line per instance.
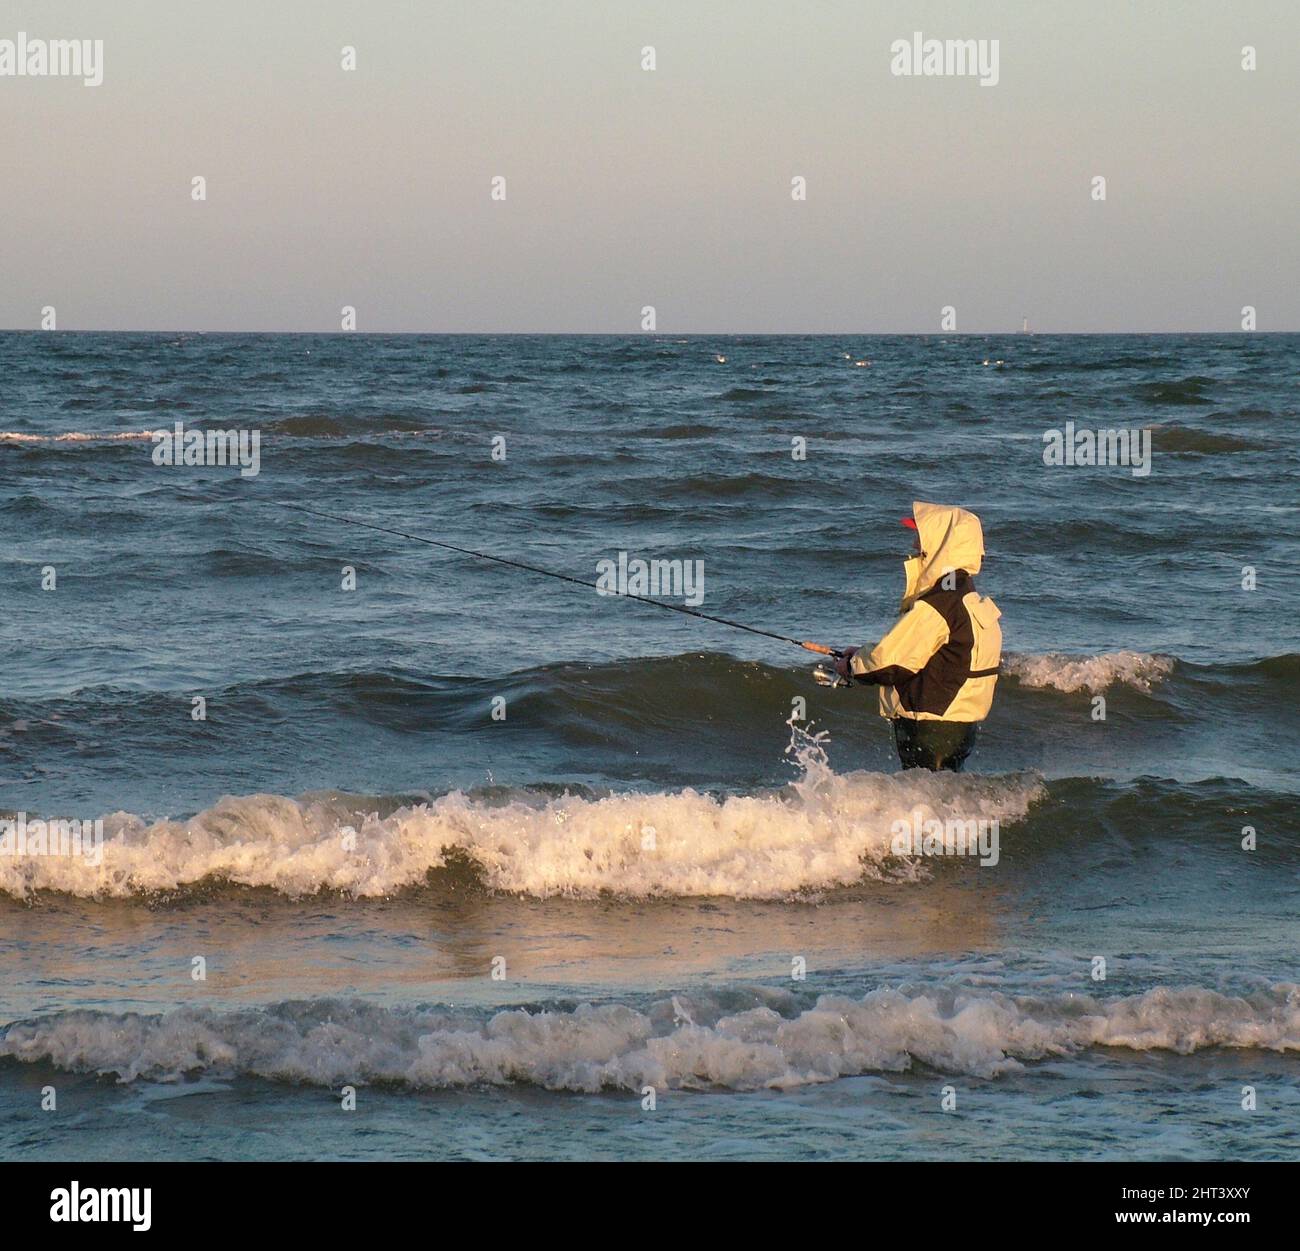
(738, 1040)
(826, 830)
(1139, 670)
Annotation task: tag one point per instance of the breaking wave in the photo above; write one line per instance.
(75, 436)
(1139, 670)
(826, 830)
(301, 427)
(749, 1039)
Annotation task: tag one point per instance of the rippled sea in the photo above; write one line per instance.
(539, 873)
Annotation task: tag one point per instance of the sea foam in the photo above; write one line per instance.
(825, 830)
(75, 436)
(1139, 670)
(761, 1038)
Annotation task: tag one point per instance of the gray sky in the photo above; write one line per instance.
(668, 188)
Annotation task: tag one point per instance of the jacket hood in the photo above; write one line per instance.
(951, 538)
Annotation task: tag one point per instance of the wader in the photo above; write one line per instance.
(933, 744)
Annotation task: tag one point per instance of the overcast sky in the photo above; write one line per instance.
(670, 188)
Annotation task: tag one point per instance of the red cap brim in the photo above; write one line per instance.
(908, 522)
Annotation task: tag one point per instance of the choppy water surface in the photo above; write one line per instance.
(350, 839)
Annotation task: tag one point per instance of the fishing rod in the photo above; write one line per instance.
(820, 648)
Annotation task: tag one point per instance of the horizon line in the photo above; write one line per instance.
(650, 334)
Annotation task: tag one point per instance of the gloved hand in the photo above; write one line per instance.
(842, 663)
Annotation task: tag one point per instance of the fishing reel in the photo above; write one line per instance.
(828, 677)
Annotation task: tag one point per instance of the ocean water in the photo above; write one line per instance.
(502, 933)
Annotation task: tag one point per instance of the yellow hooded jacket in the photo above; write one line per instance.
(940, 661)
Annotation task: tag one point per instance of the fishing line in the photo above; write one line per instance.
(563, 577)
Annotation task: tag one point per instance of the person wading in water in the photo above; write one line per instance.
(936, 669)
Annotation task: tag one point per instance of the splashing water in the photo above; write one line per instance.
(1091, 673)
(825, 830)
